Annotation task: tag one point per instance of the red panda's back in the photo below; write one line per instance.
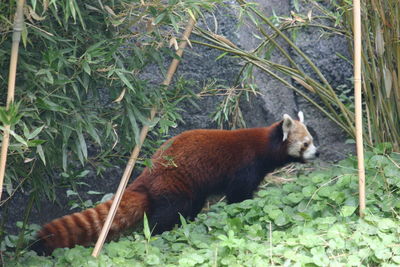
(199, 158)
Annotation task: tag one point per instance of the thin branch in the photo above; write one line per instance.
(18, 24)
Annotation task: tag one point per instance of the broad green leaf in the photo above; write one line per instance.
(295, 197)
(309, 190)
(281, 220)
(347, 211)
(325, 191)
(386, 224)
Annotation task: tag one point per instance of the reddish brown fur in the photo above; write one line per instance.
(186, 169)
(83, 228)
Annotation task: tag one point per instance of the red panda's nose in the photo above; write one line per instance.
(317, 154)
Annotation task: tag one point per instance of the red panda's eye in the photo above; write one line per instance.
(305, 144)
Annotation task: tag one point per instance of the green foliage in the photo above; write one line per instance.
(228, 113)
(312, 221)
(10, 242)
(80, 84)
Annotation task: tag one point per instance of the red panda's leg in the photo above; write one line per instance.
(197, 206)
(243, 184)
(166, 210)
(235, 195)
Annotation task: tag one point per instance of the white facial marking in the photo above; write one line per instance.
(309, 153)
(301, 116)
(294, 149)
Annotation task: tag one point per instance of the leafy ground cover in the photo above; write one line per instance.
(311, 221)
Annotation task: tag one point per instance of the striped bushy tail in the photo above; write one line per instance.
(83, 228)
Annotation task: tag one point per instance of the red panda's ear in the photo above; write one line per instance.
(287, 125)
(301, 116)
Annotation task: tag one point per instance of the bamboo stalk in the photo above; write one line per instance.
(358, 106)
(143, 133)
(16, 37)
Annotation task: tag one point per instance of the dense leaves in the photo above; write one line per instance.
(81, 84)
(311, 221)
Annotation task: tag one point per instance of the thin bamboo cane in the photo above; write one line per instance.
(16, 37)
(358, 106)
(143, 133)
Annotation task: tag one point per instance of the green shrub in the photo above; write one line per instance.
(80, 84)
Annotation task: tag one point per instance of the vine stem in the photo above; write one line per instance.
(143, 133)
(16, 37)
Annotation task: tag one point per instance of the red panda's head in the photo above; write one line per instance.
(299, 140)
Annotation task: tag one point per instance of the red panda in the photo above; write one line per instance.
(186, 170)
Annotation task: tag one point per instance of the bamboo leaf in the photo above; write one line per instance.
(78, 151)
(50, 105)
(122, 76)
(71, 6)
(34, 133)
(221, 56)
(17, 137)
(26, 131)
(379, 41)
(86, 67)
(173, 22)
(82, 144)
(191, 14)
(135, 128)
(387, 77)
(34, 2)
(143, 119)
(159, 18)
(146, 228)
(64, 157)
(35, 16)
(93, 133)
(120, 97)
(24, 35)
(39, 150)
